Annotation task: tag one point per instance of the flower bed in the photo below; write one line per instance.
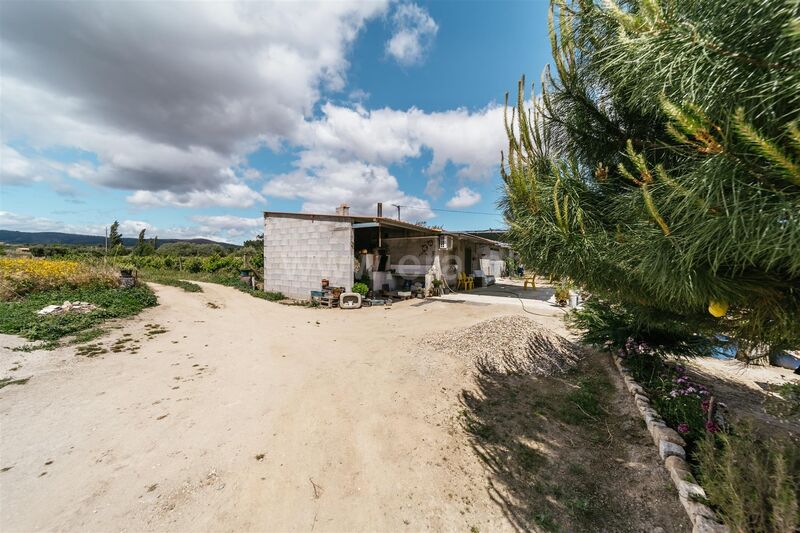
(670, 383)
(686, 406)
(752, 481)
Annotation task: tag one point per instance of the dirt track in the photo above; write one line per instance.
(248, 416)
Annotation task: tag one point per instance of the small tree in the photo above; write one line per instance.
(142, 247)
(114, 237)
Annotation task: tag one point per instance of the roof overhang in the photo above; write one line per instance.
(359, 220)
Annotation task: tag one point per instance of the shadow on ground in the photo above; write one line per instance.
(567, 453)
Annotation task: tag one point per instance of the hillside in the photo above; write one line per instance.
(54, 237)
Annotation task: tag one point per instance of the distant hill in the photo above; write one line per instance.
(54, 237)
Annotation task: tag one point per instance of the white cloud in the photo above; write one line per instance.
(233, 194)
(469, 140)
(170, 96)
(413, 32)
(324, 183)
(433, 187)
(464, 197)
(345, 155)
(15, 169)
(229, 228)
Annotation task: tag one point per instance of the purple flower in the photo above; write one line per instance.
(683, 428)
(680, 368)
(711, 427)
(704, 405)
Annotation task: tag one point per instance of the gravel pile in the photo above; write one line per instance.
(510, 345)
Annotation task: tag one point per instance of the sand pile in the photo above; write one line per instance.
(510, 345)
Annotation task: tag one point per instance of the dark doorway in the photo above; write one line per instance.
(468, 260)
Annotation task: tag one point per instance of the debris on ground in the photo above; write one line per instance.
(510, 345)
(67, 307)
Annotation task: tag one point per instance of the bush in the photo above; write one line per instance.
(753, 482)
(616, 325)
(194, 265)
(361, 288)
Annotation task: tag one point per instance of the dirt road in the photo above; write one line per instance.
(247, 415)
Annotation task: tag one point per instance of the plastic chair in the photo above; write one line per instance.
(465, 282)
(530, 279)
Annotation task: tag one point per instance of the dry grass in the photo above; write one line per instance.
(21, 276)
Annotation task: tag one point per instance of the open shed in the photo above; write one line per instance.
(302, 249)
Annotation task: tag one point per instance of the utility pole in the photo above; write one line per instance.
(398, 211)
(105, 259)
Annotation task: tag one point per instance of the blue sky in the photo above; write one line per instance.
(189, 121)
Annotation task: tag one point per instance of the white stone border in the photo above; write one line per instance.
(671, 449)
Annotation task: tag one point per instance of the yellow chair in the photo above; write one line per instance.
(465, 282)
(530, 279)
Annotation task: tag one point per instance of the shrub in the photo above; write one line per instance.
(753, 482)
(194, 265)
(361, 288)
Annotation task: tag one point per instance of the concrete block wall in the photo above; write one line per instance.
(299, 253)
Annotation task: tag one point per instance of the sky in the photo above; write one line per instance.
(189, 119)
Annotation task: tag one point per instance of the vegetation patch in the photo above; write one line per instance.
(90, 350)
(223, 277)
(33, 346)
(18, 317)
(22, 276)
(154, 329)
(784, 403)
(555, 445)
(753, 481)
(171, 278)
(9, 381)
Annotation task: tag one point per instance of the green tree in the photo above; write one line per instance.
(114, 237)
(143, 247)
(660, 166)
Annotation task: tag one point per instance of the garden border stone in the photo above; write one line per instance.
(671, 450)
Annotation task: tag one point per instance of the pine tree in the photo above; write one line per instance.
(660, 166)
(114, 237)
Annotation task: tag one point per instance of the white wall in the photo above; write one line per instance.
(299, 253)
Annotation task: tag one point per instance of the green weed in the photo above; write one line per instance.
(19, 317)
(8, 381)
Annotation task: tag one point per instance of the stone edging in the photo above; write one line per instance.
(671, 449)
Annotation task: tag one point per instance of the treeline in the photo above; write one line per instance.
(243, 258)
(185, 249)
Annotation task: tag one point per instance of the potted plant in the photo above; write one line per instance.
(562, 291)
(361, 288)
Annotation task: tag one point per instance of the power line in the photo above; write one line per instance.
(449, 210)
